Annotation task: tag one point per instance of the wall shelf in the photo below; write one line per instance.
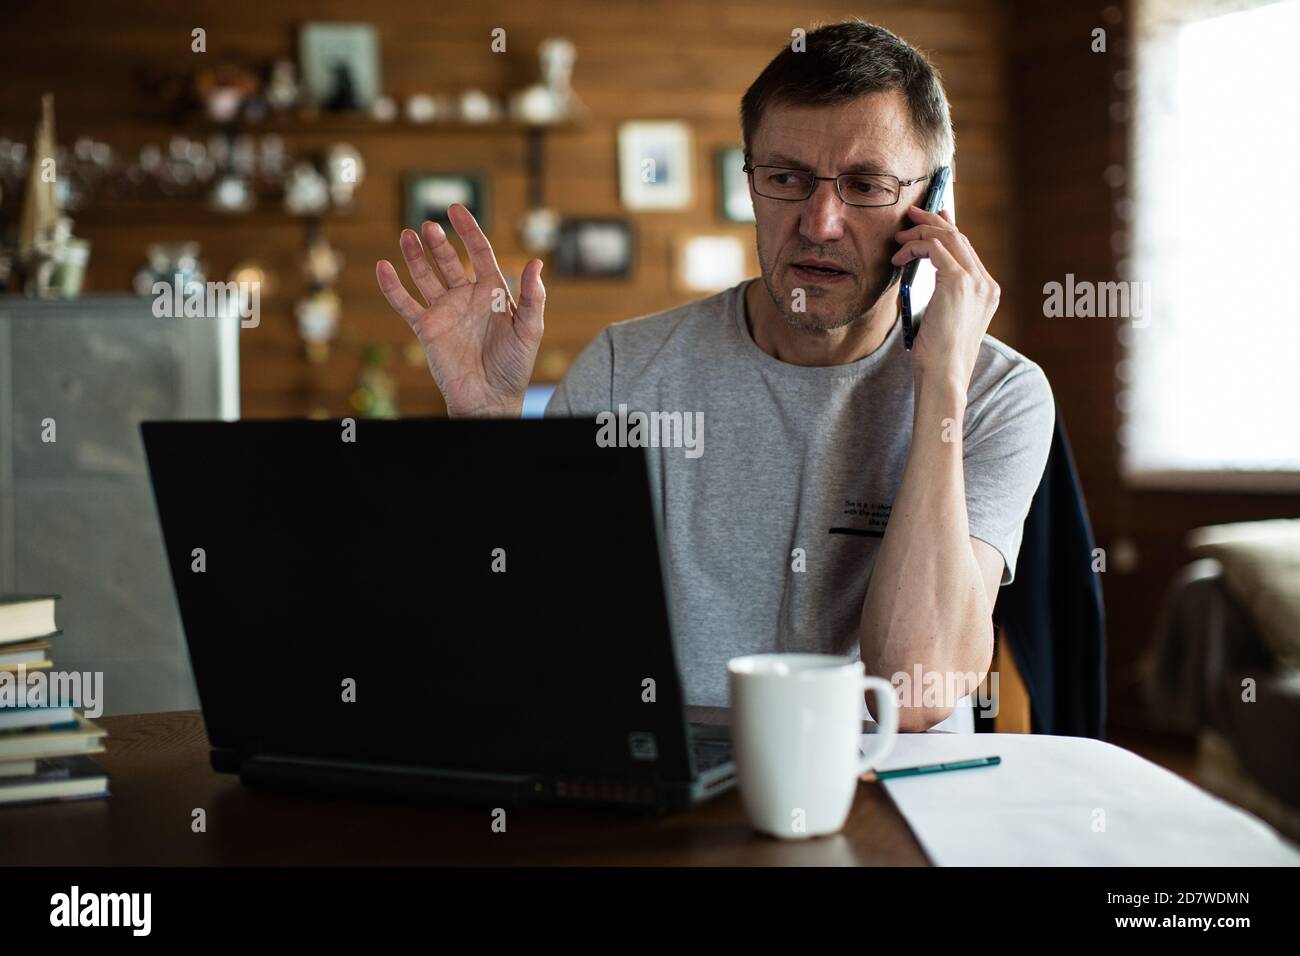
(345, 124)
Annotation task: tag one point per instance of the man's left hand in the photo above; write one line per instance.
(965, 298)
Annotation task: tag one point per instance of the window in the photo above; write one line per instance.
(1210, 375)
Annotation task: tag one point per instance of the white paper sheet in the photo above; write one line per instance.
(1068, 801)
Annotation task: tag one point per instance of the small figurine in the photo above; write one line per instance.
(282, 91)
(306, 192)
(342, 97)
(224, 90)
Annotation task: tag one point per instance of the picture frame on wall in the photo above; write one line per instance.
(709, 263)
(340, 65)
(655, 165)
(594, 248)
(430, 194)
(736, 205)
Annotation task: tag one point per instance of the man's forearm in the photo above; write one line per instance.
(926, 604)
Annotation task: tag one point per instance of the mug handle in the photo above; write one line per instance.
(886, 727)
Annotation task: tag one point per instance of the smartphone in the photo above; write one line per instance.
(933, 203)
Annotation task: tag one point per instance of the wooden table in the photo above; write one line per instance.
(160, 775)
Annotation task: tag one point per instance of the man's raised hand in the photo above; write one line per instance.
(479, 342)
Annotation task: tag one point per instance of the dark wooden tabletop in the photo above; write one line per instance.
(160, 775)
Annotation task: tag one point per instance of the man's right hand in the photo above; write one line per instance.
(480, 343)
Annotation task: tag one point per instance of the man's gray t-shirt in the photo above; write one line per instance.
(794, 457)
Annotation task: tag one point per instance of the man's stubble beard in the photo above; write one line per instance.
(855, 311)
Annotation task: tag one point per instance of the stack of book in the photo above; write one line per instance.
(44, 743)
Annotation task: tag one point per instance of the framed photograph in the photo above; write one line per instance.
(594, 248)
(709, 263)
(429, 194)
(733, 186)
(340, 65)
(655, 165)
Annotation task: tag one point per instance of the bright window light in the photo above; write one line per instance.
(1212, 374)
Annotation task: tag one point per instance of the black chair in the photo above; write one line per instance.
(1051, 617)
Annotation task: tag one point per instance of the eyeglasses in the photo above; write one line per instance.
(857, 189)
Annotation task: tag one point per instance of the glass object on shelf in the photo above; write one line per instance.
(57, 265)
(306, 191)
(232, 194)
(70, 268)
(171, 262)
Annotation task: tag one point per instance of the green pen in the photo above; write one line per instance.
(931, 768)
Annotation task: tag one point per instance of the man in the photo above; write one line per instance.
(852, 496)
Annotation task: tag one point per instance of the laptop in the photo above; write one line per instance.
(468, 610)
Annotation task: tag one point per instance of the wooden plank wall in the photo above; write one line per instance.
(661, 59)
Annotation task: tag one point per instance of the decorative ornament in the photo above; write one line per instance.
(282, 91)
(420, 108)
(306, 191)
(223, 91)
(477, 107)
(48, 255)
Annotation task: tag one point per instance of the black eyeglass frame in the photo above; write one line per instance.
(898, 193)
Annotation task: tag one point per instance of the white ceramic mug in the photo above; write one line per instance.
(796, 720)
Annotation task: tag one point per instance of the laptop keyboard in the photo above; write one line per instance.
(710, 753)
